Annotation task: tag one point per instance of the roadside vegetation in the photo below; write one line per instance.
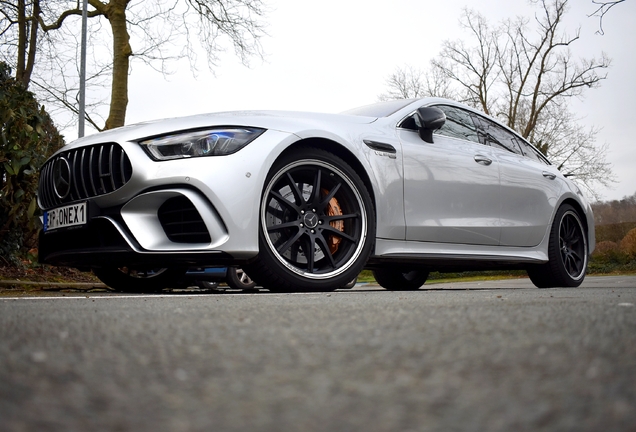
(27, 138)
(615, 237)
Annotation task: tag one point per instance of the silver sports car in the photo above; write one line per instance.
(304, 201)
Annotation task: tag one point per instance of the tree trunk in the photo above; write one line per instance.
(22, 40)
(33, 40)
(122, 51)
(27, 41)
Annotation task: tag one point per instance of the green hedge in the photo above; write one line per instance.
(27, 138)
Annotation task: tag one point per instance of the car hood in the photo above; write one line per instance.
(285, 121)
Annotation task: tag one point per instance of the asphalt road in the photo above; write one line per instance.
(501, 356)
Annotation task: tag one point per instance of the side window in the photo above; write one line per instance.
(409, 123)
(459, 124)
(494, 135)
(530, 152)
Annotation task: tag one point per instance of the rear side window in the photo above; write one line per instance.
(492, 134)
(530, 152)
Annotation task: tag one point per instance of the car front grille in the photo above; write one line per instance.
(83, 173)
(182, 222)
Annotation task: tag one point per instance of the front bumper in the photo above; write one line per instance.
(103, 243)
(131, 226)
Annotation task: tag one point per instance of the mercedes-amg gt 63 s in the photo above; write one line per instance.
(304, 201)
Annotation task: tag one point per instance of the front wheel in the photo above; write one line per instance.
(128, 279)
(400, 280)
(316, 224)
(567, 252)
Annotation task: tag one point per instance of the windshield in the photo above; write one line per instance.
(380, 109)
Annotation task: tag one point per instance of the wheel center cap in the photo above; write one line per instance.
(310, 219)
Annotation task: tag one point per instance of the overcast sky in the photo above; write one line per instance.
(332, 55)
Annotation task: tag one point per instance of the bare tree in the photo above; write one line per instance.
(523, 72)
(19, 33)
(603, 7)
(473, 68)
(154, 31)
(408, 83)
(404, 83)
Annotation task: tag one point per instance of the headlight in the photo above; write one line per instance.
(211, 142)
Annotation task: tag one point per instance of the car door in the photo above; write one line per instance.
(530, 187)
(451, 186)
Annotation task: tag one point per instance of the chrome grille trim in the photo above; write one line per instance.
(95, 170)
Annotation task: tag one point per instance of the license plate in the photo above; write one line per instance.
(67, 216)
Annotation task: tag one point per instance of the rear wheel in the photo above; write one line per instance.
(316, 224)
(128, 279)
(400, 280)
(567, 252)
(237, 278)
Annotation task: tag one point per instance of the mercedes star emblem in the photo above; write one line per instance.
(61, 177)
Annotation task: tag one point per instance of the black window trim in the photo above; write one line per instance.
(473, 113)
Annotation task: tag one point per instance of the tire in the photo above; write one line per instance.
(237, 278)
(350, 284)
(317, 224)
(206, 284)
(567, 252)
(400, 280)
(127, 279)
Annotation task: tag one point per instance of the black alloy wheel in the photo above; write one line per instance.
(567, 252)
(572, 245)
(317, 224)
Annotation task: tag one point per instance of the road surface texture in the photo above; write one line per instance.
(499, 356)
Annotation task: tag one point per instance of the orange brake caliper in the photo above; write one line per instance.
(333, 209)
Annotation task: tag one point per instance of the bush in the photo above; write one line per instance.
(613, 232)
(628, 244)
(606, 251)
(27, 138)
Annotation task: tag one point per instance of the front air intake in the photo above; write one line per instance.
(182, 222)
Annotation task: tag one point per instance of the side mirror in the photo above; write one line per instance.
(430, 119)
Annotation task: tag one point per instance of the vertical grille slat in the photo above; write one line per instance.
(121, 167)
(100, 172)
(75, 171)
(49, 188)
(111, 165)
(91, 171)
(83, 169)
(43, 188)
(95, 170)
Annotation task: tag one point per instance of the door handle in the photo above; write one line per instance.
(549, 175)
(480, 159)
